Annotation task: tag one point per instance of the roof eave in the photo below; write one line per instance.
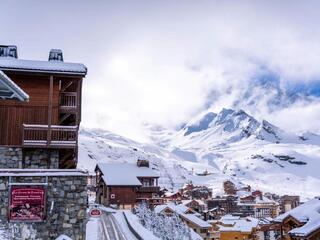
(71, 73)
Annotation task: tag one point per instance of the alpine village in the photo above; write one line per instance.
(45, 196)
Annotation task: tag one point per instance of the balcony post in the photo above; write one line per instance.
(50, 110)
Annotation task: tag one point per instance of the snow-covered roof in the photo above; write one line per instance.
(54, 67)
(182, 210)
(196, 220)
(124, 174)
(10, 90)
(8, 172)
(186, 202)
(169, 194)
(308, 213)
(177, 208)
(231, 223)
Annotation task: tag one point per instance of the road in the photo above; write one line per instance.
(110, 229)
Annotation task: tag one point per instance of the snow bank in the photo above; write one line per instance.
(141, 232)
(124, 226)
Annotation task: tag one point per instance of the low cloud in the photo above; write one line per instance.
(162, 63)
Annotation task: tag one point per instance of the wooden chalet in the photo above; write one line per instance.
(172, 196)
(190, 217)
(228, 203)
(195, 204)
(231, 227)
(126, 184)
(302, 222)
(50, 114)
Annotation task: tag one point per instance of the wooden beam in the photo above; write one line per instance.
(79, 89)
(65, 87)
(50, 110)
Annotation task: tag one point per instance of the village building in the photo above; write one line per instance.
(190, 191)
(231, 227)
(302, 222)
(40, 113)
(188, 216)
(92, 182)
(268, 230)
(228, 203)
(195, 204)
(125, 185)
(172, 208)
(256, 205)
(214, 213)
(229, 188)
(288, 202)
(172, 196)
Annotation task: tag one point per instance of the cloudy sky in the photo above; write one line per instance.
(163, 62)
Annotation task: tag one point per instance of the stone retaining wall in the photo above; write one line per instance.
(15, 157)
(66, 199)
(10, 157)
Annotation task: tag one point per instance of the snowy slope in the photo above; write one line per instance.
(254, 152)
(102, 146)
(229, 144)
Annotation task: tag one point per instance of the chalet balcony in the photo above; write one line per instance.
(149, 189)
(68, 102)
(51, 137)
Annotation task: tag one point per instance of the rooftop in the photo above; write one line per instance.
(196, 220)
(124, 174)
(308, 213)
(182, 210)
(54, 67)
(9, 62)
(229, 223)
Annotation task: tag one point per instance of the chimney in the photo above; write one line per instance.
(55, 55)
(8, 51)
(142, 163)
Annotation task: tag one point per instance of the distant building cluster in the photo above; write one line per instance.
(238, 213)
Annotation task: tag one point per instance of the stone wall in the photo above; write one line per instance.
(14, 157)
(10, 157)
(41, 158)
(66, 199)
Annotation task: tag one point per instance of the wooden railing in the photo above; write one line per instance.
(68, 99)
(149, 189)
(53, 136)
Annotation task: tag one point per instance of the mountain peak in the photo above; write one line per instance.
(200, 124)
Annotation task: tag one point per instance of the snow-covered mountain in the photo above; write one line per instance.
(229, 145)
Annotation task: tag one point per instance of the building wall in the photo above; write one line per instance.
(66, 199)
(234, 236)
(122, 195)
(15, 157)
(13, 113)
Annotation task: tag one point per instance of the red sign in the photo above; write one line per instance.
(95, 212)
(27, 203)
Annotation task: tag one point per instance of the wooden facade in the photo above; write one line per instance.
(51, 117)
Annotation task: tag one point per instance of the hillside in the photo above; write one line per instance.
(229, 145)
